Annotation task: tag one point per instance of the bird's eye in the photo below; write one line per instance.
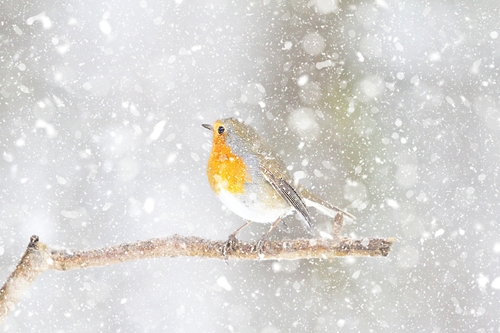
(221, 129)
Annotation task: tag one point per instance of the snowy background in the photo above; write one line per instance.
(389, 108)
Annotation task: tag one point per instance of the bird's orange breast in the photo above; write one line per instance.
(225, 170)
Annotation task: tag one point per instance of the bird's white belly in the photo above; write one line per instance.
(253, 209)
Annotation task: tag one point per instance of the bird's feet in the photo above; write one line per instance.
(259, 247)
(229, 246)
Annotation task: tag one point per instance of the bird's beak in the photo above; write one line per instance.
(207, 126)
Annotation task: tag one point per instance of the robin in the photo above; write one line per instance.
(253, 182)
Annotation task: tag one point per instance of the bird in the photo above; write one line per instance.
(253, 182)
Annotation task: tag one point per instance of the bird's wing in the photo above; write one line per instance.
(279, 182)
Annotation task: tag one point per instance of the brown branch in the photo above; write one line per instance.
(39, 257)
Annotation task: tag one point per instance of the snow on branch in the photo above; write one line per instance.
(39, 257)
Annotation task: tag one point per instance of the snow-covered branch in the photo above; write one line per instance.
(39, 257)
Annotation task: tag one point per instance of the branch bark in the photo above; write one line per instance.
(39, 257)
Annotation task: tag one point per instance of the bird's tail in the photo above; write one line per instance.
(324, 207)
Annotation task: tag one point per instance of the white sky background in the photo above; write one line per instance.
(390, 109)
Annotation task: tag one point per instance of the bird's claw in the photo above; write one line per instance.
(259, 246)
(228, 247)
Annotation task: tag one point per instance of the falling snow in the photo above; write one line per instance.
(390, 110)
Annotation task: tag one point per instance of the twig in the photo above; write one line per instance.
(39, 257)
